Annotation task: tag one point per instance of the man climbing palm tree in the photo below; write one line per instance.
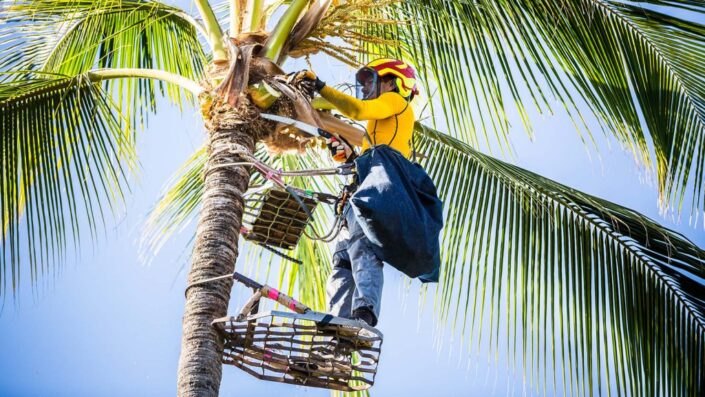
(385, 88)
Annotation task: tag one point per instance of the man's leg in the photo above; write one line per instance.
(340, 287)
(367, 270)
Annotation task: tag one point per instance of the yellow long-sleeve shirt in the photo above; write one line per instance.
(390, 118)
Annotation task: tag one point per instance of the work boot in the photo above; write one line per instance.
(365, 314)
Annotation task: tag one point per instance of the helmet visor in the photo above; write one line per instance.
(366, 83)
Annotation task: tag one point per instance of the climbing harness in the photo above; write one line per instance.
(298, 346)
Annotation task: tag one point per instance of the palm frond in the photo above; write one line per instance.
(177, 206)
(635, 66)
(666, 71)
(598, 292)
(63, 154)
(72, 37)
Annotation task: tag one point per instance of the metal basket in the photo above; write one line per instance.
(302, 347)
(276, 219)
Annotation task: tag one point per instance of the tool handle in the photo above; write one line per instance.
(269, 292)
(284, 299)
(247, 281)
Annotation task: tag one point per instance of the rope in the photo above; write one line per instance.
(208, 280)
(331, 234)
(231, 165)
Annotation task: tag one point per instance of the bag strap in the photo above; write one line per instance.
(413, 148)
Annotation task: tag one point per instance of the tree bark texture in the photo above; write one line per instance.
(214, 254)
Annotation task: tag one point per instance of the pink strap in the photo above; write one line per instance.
(273, 294)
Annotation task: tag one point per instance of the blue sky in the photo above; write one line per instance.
(107, 325)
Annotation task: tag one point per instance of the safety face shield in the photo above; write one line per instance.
(366, 84)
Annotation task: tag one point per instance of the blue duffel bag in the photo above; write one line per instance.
(399, 211)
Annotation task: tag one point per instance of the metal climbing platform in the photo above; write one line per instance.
(299, 346)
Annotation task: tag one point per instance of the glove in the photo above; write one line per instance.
(339, 150)
(309, 75)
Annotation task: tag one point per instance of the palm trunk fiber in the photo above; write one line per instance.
(215, 252)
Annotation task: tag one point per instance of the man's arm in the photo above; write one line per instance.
(352, 134)
(387, 105)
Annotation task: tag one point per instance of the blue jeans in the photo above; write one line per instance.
(357, 278)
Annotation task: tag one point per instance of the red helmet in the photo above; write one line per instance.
(368, 78)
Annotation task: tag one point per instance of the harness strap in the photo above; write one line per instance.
(396, 124)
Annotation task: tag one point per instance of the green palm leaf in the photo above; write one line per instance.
(74, 36)
(636, 67)
(54, 55)
(177, 206)
(63, 152)
(581, 281)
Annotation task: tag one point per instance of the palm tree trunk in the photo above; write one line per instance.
(215, 252)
